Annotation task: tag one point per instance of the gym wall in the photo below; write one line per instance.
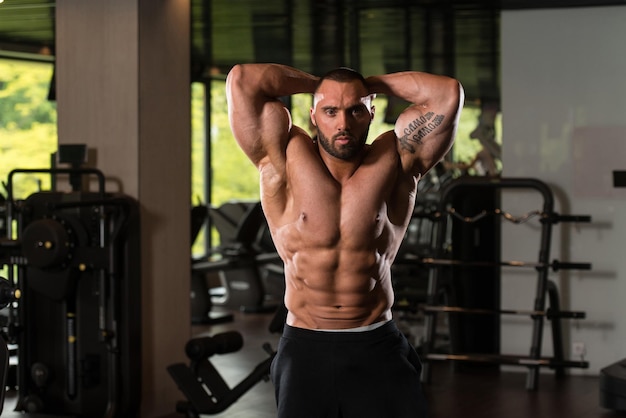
(563, 106)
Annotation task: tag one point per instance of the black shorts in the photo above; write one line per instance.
(318, 374)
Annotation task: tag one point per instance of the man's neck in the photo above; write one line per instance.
(342, 170)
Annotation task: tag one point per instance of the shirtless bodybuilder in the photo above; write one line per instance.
(338, 208)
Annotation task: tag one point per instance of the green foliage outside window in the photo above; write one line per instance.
(28, 132)
(232, 175)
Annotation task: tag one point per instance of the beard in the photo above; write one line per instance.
(343, 151)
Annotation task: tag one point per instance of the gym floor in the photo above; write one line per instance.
(476, 393)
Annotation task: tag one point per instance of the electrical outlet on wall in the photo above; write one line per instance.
(578, 349)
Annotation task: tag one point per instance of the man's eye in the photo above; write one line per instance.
(331, 112)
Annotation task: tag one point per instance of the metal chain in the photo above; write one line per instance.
(506, 215)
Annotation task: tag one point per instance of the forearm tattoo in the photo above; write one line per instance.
(417, 130)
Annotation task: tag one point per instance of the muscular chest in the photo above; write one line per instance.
(314, 209)
(351, 221)
(352, 215)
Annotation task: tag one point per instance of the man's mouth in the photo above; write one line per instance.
(343, 139)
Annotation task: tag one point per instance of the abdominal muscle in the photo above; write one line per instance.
(337, 238)
(336, 288)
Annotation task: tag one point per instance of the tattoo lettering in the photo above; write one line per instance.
(417, 130)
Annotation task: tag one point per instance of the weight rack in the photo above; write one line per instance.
(546, 290)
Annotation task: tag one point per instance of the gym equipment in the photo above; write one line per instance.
(613, 386)
(555, 265)
(4, 371)
(74, 280)
(201, 303)
(250, 270)
(442, 281)
(201, 383)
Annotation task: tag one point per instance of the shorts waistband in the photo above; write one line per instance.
(357, 329)
(386, 328)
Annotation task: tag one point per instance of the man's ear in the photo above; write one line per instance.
(312, 114)
(373, 112)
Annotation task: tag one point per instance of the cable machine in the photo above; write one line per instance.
(74, 273)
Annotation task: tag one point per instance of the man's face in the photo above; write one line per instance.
(342, 113)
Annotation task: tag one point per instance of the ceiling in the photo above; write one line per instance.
(27, 29)
(454, 37)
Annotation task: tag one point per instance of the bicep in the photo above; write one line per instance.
(424, 136)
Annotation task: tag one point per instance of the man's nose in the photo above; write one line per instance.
(342, 121)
